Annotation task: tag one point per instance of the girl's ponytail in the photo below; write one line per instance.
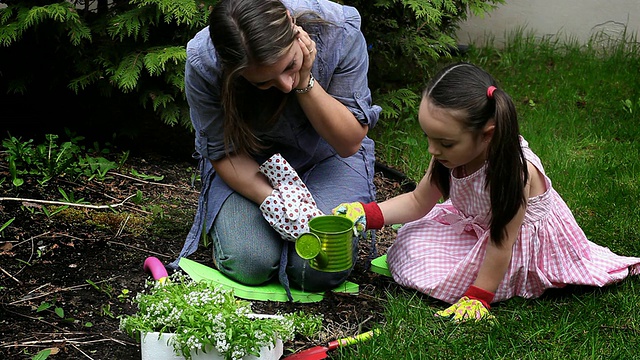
(507, 169)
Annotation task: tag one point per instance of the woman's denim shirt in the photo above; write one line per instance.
(340, 66)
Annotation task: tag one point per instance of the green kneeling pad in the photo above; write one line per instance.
(272, 291)
(379, 266)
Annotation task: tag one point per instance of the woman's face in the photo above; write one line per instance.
(284, 74)
(450, 142)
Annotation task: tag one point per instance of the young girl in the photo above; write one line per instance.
(271, 77)
(503, 230)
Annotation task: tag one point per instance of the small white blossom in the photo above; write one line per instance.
(201, 315)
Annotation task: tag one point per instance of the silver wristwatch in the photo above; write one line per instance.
(312, 81)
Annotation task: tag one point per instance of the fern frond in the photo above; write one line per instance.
(161, 100)
(80, 83)
(171, 114)
(157, 58)
(128, 72)
(26, 18)
(61, 12)
(394, 101)
(176, 79)
(9, 33)
(79, 31)
(130, 24)
(482, 7)
(389, 112)
(426, 9)
(6, 14)
(180, 11)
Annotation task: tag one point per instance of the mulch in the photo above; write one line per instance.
(86, 260)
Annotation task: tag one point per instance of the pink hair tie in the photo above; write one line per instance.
(490, 91)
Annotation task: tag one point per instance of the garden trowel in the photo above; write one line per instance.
(320, 352)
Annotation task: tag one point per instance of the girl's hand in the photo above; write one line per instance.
(308, 48)
(466, 309)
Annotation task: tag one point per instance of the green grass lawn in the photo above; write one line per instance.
(579, 108)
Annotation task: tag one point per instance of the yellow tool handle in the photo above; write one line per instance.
(354, 339)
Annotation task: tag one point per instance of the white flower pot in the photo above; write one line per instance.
(159, 346)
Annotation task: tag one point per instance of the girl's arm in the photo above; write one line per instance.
(413, 205)
(497, 258)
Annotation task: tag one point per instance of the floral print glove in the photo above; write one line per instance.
(465, 309)
(355, 212)
(474, 305)
(290, 205)
(364, 216)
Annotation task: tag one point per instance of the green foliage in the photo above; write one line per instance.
(53, 158)
(406, 39)
(396, 102)
(42, 354)
(57, 310)
(16, 19)
(135, 49)
(6, 225)
(630, 107)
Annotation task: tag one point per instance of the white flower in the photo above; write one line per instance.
(202, 316)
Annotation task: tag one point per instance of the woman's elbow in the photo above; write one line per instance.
(350, 147)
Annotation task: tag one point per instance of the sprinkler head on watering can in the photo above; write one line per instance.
(309, 246)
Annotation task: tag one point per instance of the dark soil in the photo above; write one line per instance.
(87, 261)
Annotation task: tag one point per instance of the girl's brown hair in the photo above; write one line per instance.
(463, 87)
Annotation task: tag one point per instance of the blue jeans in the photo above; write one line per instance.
(248, 250)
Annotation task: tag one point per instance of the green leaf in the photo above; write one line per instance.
(43, 306)
(6, 224)
(42, 354)
(60, 312)
(135, 173)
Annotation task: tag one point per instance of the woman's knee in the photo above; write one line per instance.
(245, 247)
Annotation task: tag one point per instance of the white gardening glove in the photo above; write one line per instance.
(290, 206)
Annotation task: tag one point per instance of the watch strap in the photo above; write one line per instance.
(305, 90)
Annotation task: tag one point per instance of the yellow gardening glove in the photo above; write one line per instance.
(466, 309)
(355, 212)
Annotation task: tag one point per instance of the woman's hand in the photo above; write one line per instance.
(331, 119)
(308, 48)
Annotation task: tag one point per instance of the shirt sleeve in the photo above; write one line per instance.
(349, 82)
(202, 91)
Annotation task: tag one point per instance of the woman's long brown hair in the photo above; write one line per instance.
(246, 32)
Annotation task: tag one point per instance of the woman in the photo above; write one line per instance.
(266, 78)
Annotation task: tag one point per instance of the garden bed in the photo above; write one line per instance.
(66, 277)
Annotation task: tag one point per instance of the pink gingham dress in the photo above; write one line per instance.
(440, 254)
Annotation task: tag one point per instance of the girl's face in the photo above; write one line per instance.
(449, 142)
(283, 75)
